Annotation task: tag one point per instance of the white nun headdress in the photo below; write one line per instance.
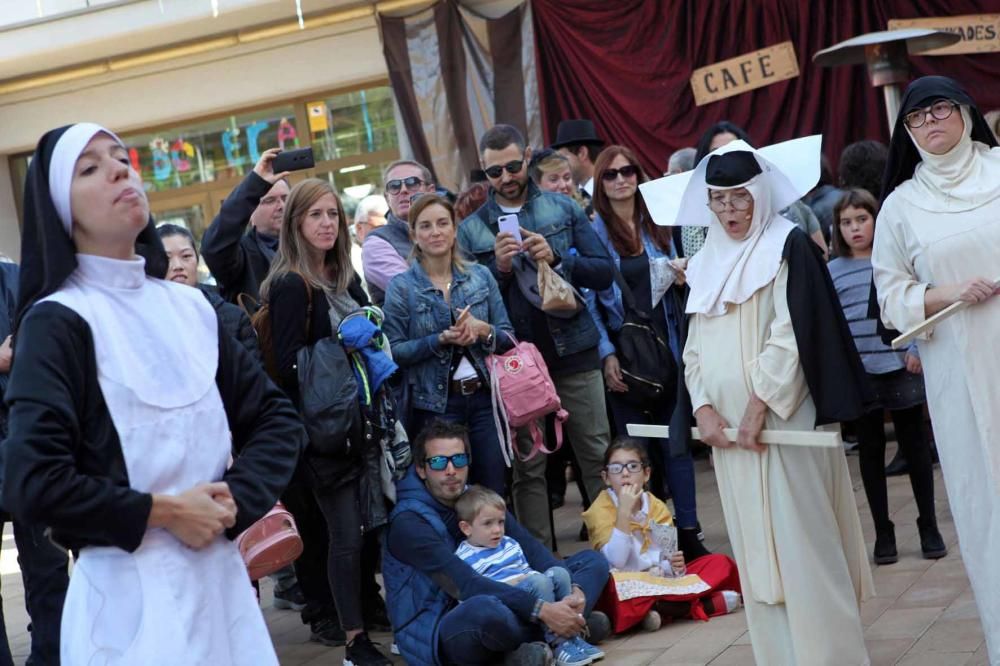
(727, 270)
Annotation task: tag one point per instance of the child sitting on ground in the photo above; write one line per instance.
(633, 530)
(482, 514)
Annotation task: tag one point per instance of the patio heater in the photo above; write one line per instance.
(885, 53)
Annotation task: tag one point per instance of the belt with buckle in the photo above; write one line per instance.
(466, 387)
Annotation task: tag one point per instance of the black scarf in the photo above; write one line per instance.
(903, 155)
(48, 254)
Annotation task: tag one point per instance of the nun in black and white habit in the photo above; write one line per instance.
(126, 402)
(768, 347)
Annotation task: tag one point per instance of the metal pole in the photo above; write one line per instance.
(893, 97)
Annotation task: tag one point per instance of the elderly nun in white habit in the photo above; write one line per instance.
(768, 347)
(126, 400)
(937, 241)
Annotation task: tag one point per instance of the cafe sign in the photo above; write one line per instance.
(742, 73)
(980, 33)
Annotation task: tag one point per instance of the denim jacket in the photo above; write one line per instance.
(611, 298)
(581, 260)
(416, 312)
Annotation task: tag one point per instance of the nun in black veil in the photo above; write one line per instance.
(937, 241)
(125, 403)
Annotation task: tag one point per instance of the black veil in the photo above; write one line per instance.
(48, 255)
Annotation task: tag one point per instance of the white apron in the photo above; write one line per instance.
(165, 603)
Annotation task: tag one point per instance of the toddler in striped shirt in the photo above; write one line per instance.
(482, 515)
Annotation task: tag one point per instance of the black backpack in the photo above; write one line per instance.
(647, 364)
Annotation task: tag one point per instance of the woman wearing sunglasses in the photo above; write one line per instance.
(647, 290)
(443, 317)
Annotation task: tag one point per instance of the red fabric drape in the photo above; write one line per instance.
(626, 65)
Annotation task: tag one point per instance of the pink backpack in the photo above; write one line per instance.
(522, 393)
(270, 544)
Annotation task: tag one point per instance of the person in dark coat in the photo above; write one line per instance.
(238, 257)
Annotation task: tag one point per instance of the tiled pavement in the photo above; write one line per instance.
(923, 614)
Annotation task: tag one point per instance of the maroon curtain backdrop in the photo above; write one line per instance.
(626, 65)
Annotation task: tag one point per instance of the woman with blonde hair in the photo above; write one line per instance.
(311, 288)
(444, 316)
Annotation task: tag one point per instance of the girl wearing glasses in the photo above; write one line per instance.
(650, 582)
(768, 347)
(648, 285)
(937, 242)
(443, 317)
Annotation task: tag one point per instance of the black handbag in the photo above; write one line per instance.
(647, 364)
(328, 397)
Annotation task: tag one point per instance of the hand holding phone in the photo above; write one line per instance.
(510, 224)
(294, 160)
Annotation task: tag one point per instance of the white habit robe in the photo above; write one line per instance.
(916, 249)
(790, 511)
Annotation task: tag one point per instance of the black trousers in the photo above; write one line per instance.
(912, 438)
(342, 511)
(45, 575)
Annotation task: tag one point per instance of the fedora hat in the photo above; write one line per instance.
(577, 131)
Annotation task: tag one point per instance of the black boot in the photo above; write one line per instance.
(898, 465)
(885, 545)
(931, 543)
(687, 541)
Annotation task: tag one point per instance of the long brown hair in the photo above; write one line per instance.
(625, 244)
(419, 205)
(293, 257)
(853, 198)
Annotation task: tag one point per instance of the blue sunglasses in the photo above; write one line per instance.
(440, 463)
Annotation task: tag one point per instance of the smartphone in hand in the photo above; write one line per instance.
(511, 225)
(293, 160)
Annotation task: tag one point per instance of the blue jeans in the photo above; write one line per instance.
(550, 586)
(677, 473)
(476, 412)
(481, 629)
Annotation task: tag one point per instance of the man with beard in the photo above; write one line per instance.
(554, 229)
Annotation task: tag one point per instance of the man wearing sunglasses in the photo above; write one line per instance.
(446, 613)
(554, 229)
(386, 249)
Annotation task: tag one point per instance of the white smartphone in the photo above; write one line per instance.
(510, 224)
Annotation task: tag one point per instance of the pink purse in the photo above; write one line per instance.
(522, 393)
(270, 544)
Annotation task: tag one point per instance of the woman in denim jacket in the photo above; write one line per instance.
(639, 248)
(443, 317)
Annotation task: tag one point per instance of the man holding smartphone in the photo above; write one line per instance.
(240, 259)
(554, 229)
(386, 250)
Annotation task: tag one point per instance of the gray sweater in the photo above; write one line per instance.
(852, 277)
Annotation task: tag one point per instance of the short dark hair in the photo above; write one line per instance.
(167, 230)
(438, 429)
(593, 149)
(499, 137)
(861, 165)
(627, 444)
(704, 146)
(857, 198)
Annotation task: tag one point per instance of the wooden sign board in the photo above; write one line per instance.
(742, 73)
(980, 32)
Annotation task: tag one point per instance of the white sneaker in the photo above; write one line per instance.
(652, 621)
(733, 600)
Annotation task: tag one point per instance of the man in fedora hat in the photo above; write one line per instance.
(578, 141)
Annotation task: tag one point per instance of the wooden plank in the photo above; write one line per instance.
(980, 32)
(932, 321)
(743, 73)
(818, 438)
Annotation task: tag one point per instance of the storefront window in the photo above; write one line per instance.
(355, 183)
(352, 123)
(220, 149)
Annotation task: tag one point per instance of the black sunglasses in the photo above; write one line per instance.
(626, 171)
(396, 185)
(496, 170)
(440, 463)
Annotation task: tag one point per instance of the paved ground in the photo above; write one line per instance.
(923, 614)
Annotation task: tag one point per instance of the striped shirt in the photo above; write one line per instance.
(852, 278)
(501, 564)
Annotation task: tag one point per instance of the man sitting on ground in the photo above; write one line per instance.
(425, 580)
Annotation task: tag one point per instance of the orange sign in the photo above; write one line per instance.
(317, 117)
(980, 32)
(742, 73)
